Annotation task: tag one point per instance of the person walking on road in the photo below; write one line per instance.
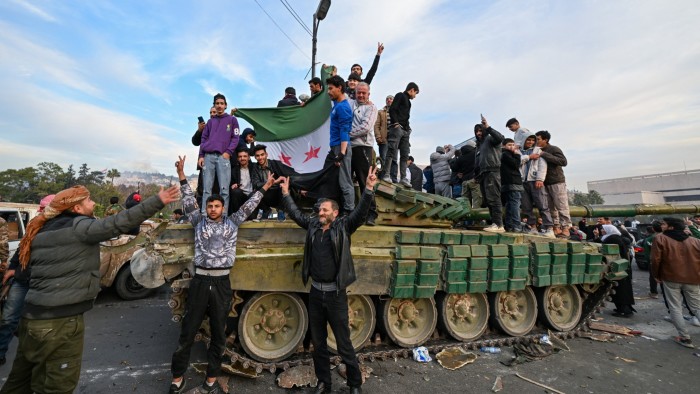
(62, 247)
(327, 260)
(675, 263)
(210, 293)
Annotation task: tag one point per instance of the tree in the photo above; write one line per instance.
(590, 198)
(83, 174)
(69, 178)
(113, 173)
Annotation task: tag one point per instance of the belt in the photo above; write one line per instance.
(324, 286)
(221, 272)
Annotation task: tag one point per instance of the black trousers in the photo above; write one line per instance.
(653, 286)
(207, 295)
(491, 191)
(331, 307)
(361, 163)
(236, 200)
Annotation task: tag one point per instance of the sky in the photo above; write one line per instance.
(120, 84)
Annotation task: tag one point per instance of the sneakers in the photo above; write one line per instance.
(549, 233)
(406, 183)
(694, 321)
(387, 179)
(495, 229)
(370, 221)
(654, 295)
(686, 342)
(213, 389)
(177, 390)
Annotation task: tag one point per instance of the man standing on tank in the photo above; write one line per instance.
(215, 236)
(399, 133)
(327, 260)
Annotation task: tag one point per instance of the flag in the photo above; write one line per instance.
(298, 136)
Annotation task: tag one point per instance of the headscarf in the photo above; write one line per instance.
(610, 230)
(64, 200)
(45, 202)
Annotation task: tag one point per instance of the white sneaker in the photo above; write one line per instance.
(405, 182)
(495, 229)
(668, 318)
(387, 179)
(694, 321)
(549, 234)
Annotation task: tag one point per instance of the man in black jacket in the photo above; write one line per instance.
(416, 175)
(357, 69)
(488, 170)
(465, 170)
(289, 99)
(512, 185)
(327, 260)
(242, 176)
(555, 183)
(399, 133)
(264, 166)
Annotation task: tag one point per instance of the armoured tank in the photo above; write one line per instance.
(419, 282)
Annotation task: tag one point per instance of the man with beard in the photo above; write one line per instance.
(488, 170)
(272, 198)
(62, 247)
(362, 140)
(327, 260)
(242, 176)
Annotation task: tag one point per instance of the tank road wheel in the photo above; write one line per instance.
(362, 318)
(464, 316)
(409, 322)
(590, 287)
(560, 306)
(272, 325)
(514, 312)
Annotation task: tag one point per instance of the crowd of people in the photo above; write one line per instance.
(57, 264)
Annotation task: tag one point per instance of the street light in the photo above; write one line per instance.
(321, 12)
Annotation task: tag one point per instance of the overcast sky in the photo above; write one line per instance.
(119, 84)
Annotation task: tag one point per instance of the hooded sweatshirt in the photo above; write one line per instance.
(220, 135)
(439, 162)
(533, 170)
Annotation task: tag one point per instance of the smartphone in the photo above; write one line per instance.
(200, 119)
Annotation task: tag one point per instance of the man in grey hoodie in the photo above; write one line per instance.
(534, 172)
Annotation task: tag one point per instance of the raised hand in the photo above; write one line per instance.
(180, 164)
(371, 178)
(284, 185)
(170, 194)
(380, 48)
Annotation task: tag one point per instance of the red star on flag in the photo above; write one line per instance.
(312, 153)
(286, 159)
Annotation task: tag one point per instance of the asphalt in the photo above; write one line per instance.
(128, 346)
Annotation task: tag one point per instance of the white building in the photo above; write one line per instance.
(682, 187)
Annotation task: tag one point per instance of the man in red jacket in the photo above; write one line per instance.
(675, 262)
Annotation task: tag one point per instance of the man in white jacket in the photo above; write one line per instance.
(364, 116)
(535, 195)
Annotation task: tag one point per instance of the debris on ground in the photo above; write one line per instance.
(421, 355)
(364, 370)
(602, 337)
(497, 385)
(538, 384)
(299, 376)
(613, 328)
(454, 358)
(541, 347)
(649, 338)
(627, 360)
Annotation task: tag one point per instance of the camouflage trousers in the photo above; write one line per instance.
(48, 357)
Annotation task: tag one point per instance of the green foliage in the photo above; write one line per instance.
(590, 198)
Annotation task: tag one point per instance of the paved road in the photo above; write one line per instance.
(128, 347)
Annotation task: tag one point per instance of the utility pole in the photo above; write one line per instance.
(321, 12)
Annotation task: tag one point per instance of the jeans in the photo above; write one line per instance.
(215, 165)
(472, 191)
(536, 198)
(12, 313)
(49, 356)
(345, 177)
(331, 308)
(512, 203)
(211, 296)
(398, 141)
(457, 190)
(491, 190)
(674, 292)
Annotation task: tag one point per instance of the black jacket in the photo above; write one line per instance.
(416, 177)
(341, 229)
(288, 101)
(372, 70)
(510, 171)
(253, 169)
(400, 110)
(555, 161)
(259, 177)
(465, 163)
(488, 151)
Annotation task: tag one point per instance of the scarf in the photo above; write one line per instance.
(678, 235)
(64, 200)
(610, 230)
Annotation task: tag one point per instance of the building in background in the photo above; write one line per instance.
(682, 187)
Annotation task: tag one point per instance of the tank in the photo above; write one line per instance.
(419, 282)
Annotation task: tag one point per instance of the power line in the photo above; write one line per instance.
(282, 30)
(295, 15)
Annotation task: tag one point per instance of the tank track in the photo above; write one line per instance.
(592, 302)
